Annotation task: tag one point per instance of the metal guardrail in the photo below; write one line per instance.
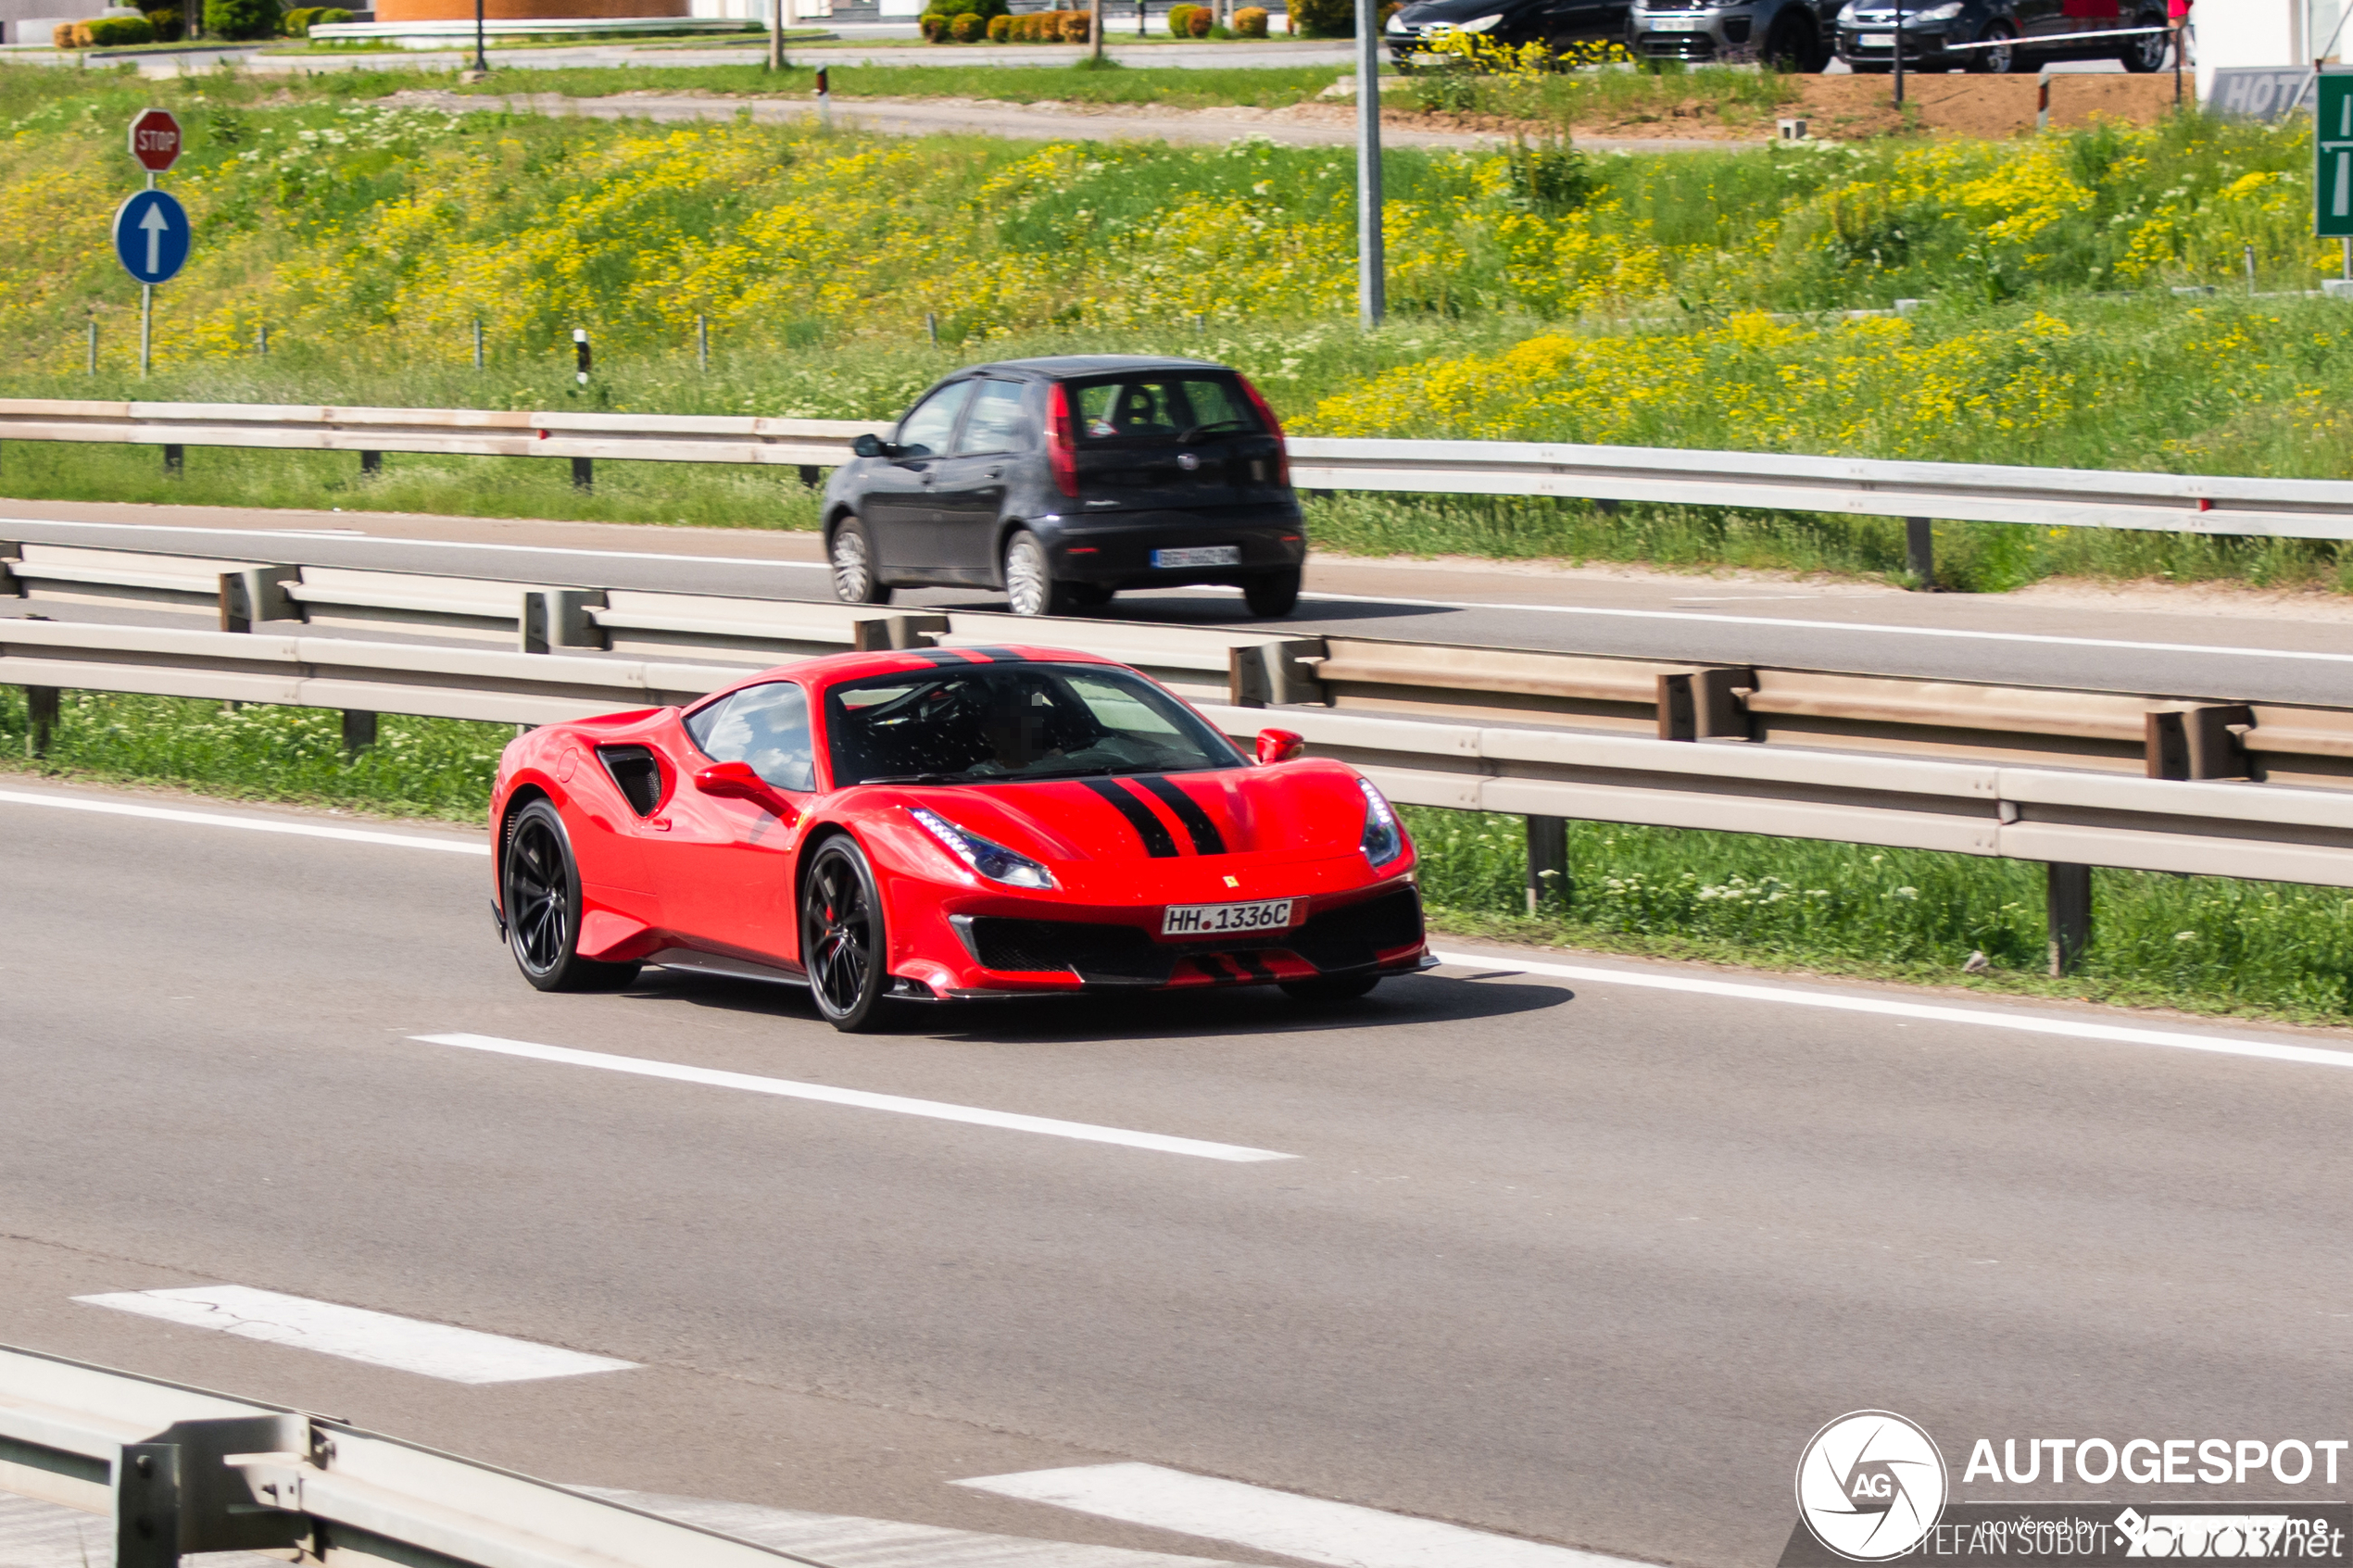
(2289, 508)
(182, 1471)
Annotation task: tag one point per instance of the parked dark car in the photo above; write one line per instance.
(1559, 23)
(1065, 480)
(1785, 34)
(1867, 34)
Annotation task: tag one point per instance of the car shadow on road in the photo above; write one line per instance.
(1405, 1002)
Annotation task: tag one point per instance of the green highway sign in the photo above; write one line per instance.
(2333, 155)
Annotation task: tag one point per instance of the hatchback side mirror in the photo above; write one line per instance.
(868, 446)
(1280, 746)
(735, 781)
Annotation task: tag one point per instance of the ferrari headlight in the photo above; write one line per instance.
(990, 859)
(1478, 24)
(1384, 840)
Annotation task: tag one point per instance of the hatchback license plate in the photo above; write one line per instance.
(1212, 920)
(1199, 555)
(1877, 41)
(1679, 24)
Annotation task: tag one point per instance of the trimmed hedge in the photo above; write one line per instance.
(1251, 22)
(1323, 19)
(241, 19)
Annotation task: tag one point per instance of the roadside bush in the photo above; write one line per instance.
(167, 24)
(241, 19)
(62, 36)
(331, 14)
(1201, 22)
(1180, 21)
(970, 27)
(1251, 22)
(1323, 19)
(113, 32)
(1000, 29)
(296, 22)
(1074, 24)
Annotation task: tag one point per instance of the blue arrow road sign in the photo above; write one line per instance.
(151, 236)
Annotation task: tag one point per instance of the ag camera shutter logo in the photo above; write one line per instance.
(1870, 1486)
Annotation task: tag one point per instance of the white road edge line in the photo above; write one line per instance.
(1795, 623)
(432, 1349)
(251, 824)
(1310, 1529)
(1932, 1012)
(1086, 1132)
(1799, 623)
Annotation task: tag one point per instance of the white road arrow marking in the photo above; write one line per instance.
(156, 225)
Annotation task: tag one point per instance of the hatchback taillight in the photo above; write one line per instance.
(1274, 428)
(1061, 439)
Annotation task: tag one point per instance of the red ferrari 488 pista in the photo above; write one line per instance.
(946, 823)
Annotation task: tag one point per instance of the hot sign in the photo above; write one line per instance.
(155, 139)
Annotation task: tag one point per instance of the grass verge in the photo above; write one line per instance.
(2204, 945)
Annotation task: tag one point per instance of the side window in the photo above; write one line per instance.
(925, 431)
(996, 423)
(766, 726)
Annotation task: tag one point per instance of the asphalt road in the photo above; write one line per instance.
(2195, 650)
(1582, 1261)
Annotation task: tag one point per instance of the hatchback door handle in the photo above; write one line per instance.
(996, 474)
(927, 479)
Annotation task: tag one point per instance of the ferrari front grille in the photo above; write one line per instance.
(1355, 936)
(1092, 951)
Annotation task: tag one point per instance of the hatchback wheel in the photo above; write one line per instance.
(2002, 59)
(2147, 53)
(539, 893)
(853, 556)
(1273, 592)
(842, 943)
(1030, 587)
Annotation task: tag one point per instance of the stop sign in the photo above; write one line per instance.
(155, 139)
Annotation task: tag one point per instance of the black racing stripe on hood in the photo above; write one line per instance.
(1207, 840)
(1158, 842)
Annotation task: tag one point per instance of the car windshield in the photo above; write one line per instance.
(984, 723)
(1163, 407)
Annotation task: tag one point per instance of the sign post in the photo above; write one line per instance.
(2332, 160)
(1372, 271)
(151, 229)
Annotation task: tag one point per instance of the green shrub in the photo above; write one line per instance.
(1180, 21)
(241, 19)
(1323, 19)
(331, 14)
(1000, 29)
(113, 32)
(1251, 22)
(167, 24)
(296, 22)
(969, 27)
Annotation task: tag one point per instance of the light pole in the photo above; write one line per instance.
(1372, 302)
(1899, 51)
(482, 61)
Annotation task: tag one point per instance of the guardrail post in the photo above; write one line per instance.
(359, 731)
(1547, 864)
(1705, 704)
(2067, 906)
(1919, 552)
(584, 474)
(558, 617)
(372, 462)
(146, 1506)
(40, 709)
(2199, 741)
(810, 476)
(10, 588)
(884, 633)
(1275, 675)
(257, 593)
(175, 460)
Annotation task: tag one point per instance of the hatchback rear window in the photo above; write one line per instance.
(1162, 407)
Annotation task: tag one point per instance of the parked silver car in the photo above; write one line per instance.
(1787, 34)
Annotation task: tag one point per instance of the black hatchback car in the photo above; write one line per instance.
(1063, 480)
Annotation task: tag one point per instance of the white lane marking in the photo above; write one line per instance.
(423, 543)
(1794, 622)
(251, 824)
(1805, 625)
(2264, 1050)
(1308, 1528)
(938, 1109)
(434, 1350)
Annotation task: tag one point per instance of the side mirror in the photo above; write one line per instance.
(735, 781)
(1280, 746)
(868, 446)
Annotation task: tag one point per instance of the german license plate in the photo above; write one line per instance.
(1199, 555)
(1679, 24)
(1877, 41)
(1215, 920)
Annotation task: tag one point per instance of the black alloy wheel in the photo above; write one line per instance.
(1330, 988)
(841, 937)
(539, 887)
(2146, 54)
(2004, 59)
(851, 554)
(1794, 47)
(1273, 592)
